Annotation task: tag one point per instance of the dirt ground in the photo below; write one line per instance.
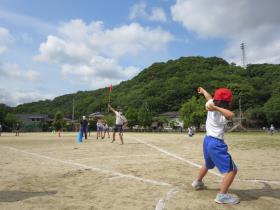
(150, 171)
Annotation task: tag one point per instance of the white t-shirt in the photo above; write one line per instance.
(120, 119)
(99, 124)
(215, 124)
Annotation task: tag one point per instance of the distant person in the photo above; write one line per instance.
(17, 128)
(88, 129)
(58, 129)
(99, 129)
(271, 129)
(214, 148)
(106, 130)
(1, 129)
(84, 126)
(193, 130)
(121, 123)
(190, 131)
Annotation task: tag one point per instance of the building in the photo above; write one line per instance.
(28, 118)
(95, 115)
(173, 120)
(34, 122)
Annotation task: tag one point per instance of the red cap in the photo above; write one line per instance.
(223, 94)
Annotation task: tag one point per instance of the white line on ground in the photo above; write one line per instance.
(199, 166)
(161, 203)
(259, 181)
(175, 156)
(150, 181)
(112, 157)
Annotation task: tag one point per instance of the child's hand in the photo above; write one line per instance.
(200, 90)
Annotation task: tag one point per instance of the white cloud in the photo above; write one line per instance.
(255, 22)
(140, 11)
(14, 97)
(100, 67)
(5, 39)
(158, 15)
(93, 52)
(14, 72)
(26, 21)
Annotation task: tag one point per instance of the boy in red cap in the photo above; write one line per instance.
(214, 148)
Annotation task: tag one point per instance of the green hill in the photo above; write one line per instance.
(166, 86)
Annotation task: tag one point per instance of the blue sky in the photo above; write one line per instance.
(50, 48)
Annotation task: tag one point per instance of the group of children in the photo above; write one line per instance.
(102, 127)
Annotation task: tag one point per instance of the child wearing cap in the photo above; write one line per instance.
(214, 148)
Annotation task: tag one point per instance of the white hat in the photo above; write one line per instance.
(84, 117)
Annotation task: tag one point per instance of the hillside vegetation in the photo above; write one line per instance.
(167, 86)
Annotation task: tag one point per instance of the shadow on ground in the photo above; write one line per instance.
(255, 194)
(13, 196)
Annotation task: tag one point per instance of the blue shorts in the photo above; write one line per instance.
(216, 154)
(99, 128)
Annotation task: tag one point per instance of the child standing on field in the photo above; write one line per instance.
(214, 148)
(17, 129)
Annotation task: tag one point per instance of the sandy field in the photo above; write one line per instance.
(150, 171)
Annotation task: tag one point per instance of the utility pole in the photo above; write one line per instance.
(243, 57)
(240, 111)
(73, 109)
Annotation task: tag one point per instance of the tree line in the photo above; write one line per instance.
(171, 86)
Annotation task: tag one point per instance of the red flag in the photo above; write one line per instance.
(110, 88)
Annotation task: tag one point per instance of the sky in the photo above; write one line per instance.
(54, 47)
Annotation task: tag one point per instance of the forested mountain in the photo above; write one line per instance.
(166, 86)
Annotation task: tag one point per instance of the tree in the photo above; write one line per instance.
(58, 122)
(193, 112)
(132, 117)
(160, 120)
(110, 119)
(144, 117)
(272, 109)
(10, 120)
(4, 110)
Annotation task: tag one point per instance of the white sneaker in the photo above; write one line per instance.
(226, 199)
(198, 185)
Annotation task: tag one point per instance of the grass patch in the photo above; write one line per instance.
(255, 140)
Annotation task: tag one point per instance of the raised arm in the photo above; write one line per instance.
(207, 96)
(111, 108)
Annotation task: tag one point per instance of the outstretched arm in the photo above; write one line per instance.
(111, 108)
(227, 113)
(207, 96)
